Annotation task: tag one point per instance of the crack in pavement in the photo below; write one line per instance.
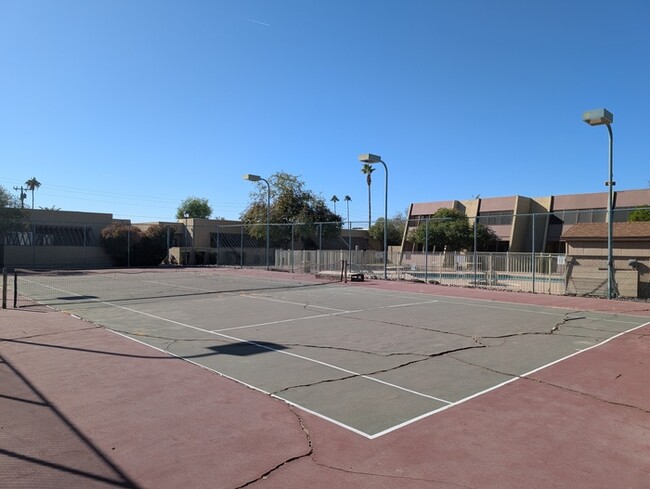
(478, 340)
(380, 371)
(355, 350)
(52, 333)
(565, 320)
(551, 384)
(390, 476)
(308, 453)
(475, 338)
(552, 331)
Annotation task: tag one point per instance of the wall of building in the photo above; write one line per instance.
(589, 267)
(56, 257)
(549, 211)
(56, 239)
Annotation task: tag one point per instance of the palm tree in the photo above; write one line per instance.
(367, 170)
(32, 184)
(334, 199)
(347, 200)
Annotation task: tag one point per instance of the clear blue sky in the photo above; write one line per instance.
(128, 107)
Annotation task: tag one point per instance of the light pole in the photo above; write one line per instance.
(257, 178)
(372, 159)
(601, 117)
(347, 200)
(187, 254)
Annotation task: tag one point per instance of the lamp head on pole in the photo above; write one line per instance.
(598, 117)
(369, 158)
(251, 178)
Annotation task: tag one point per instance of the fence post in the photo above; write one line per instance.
(128, 247)
(292, 257)
(4, 288)
(241, 247)
(167, 237)
(33, 227)
(475, 258)
(217, 257)
(320, 246)
(550, 266)
(426, 252)
(533, 250)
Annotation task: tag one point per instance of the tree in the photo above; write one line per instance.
(10, 214)
(450, 229)
(347, 200)
(129, 245)
(295, 207)
(119, 241)
(394, 231)
(639, 214)
(195, 207)
(151, 250)
(334, 199)
(33, 184)
(7, 200)
(367, 170)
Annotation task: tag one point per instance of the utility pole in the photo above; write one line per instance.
(23, 196)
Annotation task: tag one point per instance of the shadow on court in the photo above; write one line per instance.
(39, 440)
(247, 348)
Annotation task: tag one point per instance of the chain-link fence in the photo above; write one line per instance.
(579, 252)
(563, 252)
(67, 243)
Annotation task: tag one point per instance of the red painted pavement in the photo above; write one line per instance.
(83, 407)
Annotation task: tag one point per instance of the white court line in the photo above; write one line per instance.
(266, 347)
(339, 312)
(242, 340)
(291, 320)
(471, 302)
(245, 384)
(176, 286)
(284, 301)
(408, 304)
(449, 404)
(283, 352)
(271, 323)
(518, 377)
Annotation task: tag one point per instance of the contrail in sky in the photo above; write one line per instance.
(256, 21)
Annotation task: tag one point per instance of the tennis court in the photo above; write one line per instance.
(365, 358)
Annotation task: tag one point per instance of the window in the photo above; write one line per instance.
(46, 235)
(495, 218)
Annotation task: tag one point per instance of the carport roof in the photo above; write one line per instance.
(622, 231)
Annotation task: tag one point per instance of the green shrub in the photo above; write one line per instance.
(128, 245)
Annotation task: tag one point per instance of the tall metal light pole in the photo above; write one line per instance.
(347, 200)
(601, 117)
(187, 254)
(372, 159)
(257, 178)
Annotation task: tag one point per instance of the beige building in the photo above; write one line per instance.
(222, 242)
(64, 239)
(586, 258)
(50, 239)
(524, 224)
